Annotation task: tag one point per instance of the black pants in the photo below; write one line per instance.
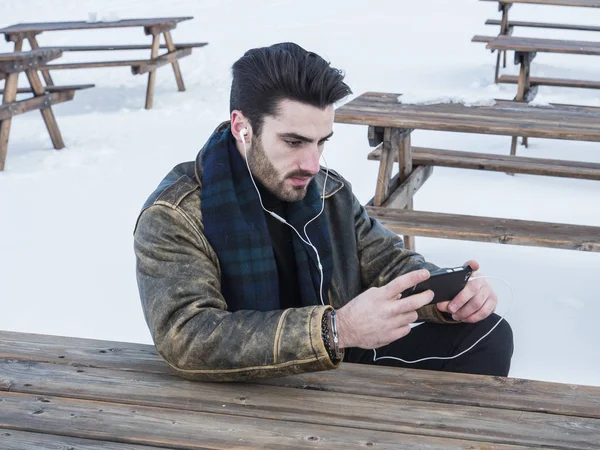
(490, 357)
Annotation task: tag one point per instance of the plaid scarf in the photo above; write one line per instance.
(236, 227)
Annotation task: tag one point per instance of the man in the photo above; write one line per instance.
(248, 256)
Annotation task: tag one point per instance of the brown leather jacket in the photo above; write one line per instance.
(179, 283)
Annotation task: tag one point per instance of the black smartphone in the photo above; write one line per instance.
(445, 283)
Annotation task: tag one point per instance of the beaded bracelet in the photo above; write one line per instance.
(326, 336)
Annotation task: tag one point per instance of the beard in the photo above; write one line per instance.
(265, 172)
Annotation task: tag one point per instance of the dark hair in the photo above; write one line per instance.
(265, 76)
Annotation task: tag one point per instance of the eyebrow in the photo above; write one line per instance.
(299, 137)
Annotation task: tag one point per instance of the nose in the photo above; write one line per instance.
(310, 161)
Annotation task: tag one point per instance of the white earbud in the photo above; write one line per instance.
(244, 131)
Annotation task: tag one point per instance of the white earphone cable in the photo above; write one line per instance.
(376, 358)
(307, 241)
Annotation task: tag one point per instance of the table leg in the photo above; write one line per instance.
(152, 74)
(45, 73)
(18, 45)
(175, 64)
(401, 140)
(47, 114)
(10, 94)
(503, 30)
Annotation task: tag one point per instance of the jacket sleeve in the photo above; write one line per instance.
(383, 257)
(179, 283)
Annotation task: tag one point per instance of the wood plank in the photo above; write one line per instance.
(555, 26)
(38, 27)
(405, 192)
(20, 61)
(46, 111)
(22, 440)
(23, 106)
(383, 186)
(501, 163)
(489, 229)
(409, 384)
(93, 64)
(35, 46)
(67, 87)
(175, 64)
(156, 62)
(93, 48)
(480, 38)
(243, 400)
(577, 3)
(193, 430)
(544, 81)
(526, 44)
(503, 118)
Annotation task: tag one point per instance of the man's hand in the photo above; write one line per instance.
(377, 316)
(474, 303)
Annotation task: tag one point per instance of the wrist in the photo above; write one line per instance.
(344, 330)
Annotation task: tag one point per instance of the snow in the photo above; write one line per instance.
(66, 260)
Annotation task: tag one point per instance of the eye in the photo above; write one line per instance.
(323, 141)
(292, 143)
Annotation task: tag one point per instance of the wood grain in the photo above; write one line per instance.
(489, 229)
(409, 384)
(21, 440)
(501, 163)
(192, 430)
(39, 27)
(544, 81)
(503, 118)
(556, 26)
(580, 3)
(357, 412)
(104, 48)
(526, 44)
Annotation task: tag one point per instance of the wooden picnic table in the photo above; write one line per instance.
(11, 64)
(60, 392)
(506, 26)
(152, 27)
(391, 124)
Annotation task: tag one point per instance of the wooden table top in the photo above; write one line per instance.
(506, 117)
(61, 392)
(581, 3)
(526, 44)
(39, 27)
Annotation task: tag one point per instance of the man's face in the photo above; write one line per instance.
(285, 157)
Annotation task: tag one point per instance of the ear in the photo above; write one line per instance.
(238, 123)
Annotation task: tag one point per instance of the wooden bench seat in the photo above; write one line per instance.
(138, 66)
(556, 26)
(92, 48)
(73, 87)
(488, 229)
(499, 163)
(8, 110)
(544, 81)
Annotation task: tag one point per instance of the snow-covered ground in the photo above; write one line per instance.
(66, 217)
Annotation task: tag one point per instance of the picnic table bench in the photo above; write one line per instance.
(507, 26)
(60, 392)
(390, 126)
(154, 27)
(11, 64)
(525, 51)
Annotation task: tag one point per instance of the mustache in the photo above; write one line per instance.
(300, 174)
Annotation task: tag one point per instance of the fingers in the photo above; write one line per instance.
(403, 282)
(412, 302)
(468, 292)
(472, 264)
(488, 308)
(472, 306)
